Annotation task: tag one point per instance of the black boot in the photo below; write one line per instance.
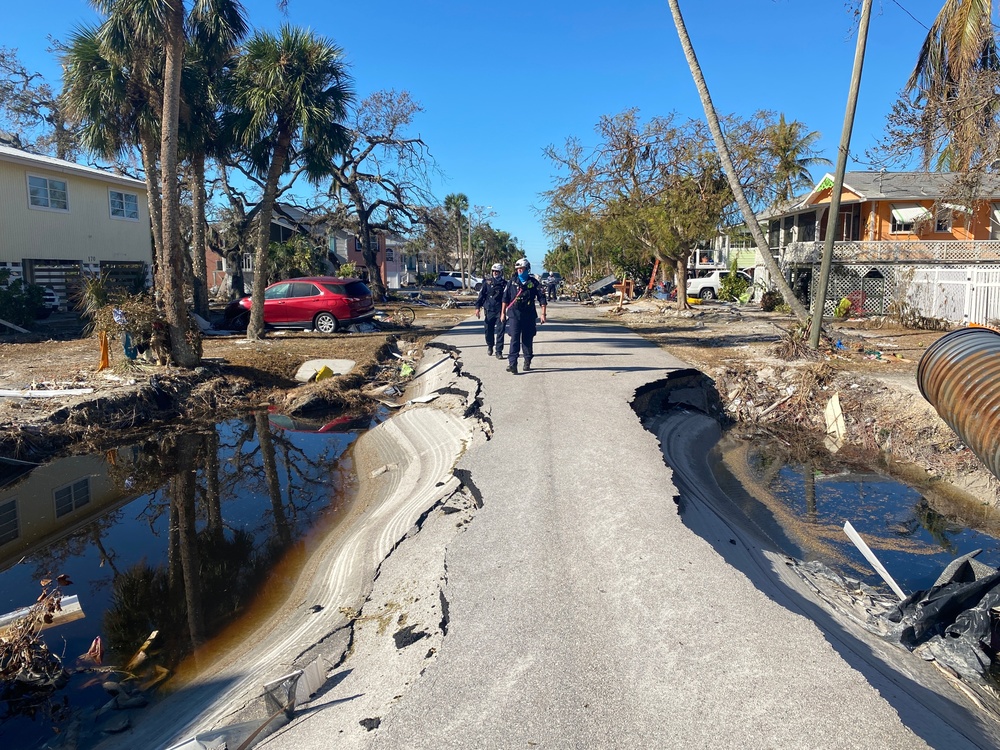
(489, 352)
(512, 368)
(527, 365)
(499, 354)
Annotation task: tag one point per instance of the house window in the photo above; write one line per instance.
(807, 227)
(995, 221)
(8, 521)
(905, 216)
(72, 497)
(47, 193)
(124, 205)
(389, 254)
(942, 222)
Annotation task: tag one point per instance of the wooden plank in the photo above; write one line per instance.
(70, 611)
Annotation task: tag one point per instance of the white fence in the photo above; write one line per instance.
(961, 295)
(957, 294)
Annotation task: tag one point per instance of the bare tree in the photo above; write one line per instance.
(381, 184)
(32, 112)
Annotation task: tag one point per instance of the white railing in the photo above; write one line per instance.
(950, 251)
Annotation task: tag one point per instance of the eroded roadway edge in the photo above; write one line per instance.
(579, 610)
(407, 483)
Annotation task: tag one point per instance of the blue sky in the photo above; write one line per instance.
(500, 82)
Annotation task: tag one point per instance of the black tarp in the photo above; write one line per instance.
(953, 619)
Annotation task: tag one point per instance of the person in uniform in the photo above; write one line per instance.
(490, 302)
(523, 292)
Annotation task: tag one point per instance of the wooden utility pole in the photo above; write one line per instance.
(838, 180)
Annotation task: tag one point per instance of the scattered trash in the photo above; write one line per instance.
(870, 557)
(406, 370)
(307, 371)
(836, 428)
(323, 373)
(955, 620)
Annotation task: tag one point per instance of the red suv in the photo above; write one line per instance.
(324, 303)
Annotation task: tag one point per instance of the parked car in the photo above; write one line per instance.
(324, 303)
(51, 303)
(708, 287)
(453, 280)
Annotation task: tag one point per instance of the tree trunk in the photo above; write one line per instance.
(727, 164)
(148, 152)
(185, 345)
(255, 329)
(234, 271)
(370, 255)
(267, 455)
(199, 245)
(682, 285)
(182, 497)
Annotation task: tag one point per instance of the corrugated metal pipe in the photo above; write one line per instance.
(959, 375)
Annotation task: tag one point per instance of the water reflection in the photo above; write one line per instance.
(802, 495)
(174, 534)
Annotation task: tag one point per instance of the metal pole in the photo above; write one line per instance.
(838, 180)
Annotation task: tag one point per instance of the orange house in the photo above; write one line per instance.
(900, 238)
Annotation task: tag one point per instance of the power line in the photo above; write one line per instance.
(898, 5)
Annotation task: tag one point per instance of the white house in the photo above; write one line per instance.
(59, 220)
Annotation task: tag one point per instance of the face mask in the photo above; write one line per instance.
(522, 275)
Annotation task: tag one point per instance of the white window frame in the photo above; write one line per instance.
(48, 193)
(13, 524)
(910, 214)
(943, 220)
(78, 495)
(124, 195)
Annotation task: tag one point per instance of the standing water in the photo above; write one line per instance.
(177, 535)
(800, 500)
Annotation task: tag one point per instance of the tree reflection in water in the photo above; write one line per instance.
(203, 519)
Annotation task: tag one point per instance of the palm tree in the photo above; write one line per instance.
(793, 154)
(110, 90)
(454, 205)
(287, 97)
(161, 25)
(960, 45)
(216, 27)
(727, 164)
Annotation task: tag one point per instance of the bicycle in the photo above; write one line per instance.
(401, 316)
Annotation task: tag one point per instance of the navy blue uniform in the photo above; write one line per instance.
(490, 301)
(520, 299)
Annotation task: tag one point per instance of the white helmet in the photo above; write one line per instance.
(497, 267)
(523, 263)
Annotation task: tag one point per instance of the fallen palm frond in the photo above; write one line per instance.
(794, 344)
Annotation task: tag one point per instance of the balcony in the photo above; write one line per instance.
(911, 251)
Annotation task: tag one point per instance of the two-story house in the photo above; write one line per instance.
(901, 240)
(59, 220)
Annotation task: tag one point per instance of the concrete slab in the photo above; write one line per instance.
(308, 370)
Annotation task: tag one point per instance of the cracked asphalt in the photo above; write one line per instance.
(576, 609)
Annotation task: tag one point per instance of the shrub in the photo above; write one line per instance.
(770, 301)
(732, 287)
(349, 270)
(19, 302)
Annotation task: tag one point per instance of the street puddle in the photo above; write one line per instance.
(189, 534)
(799, 497)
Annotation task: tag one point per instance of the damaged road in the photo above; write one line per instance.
(576, 608)
(407, 486)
